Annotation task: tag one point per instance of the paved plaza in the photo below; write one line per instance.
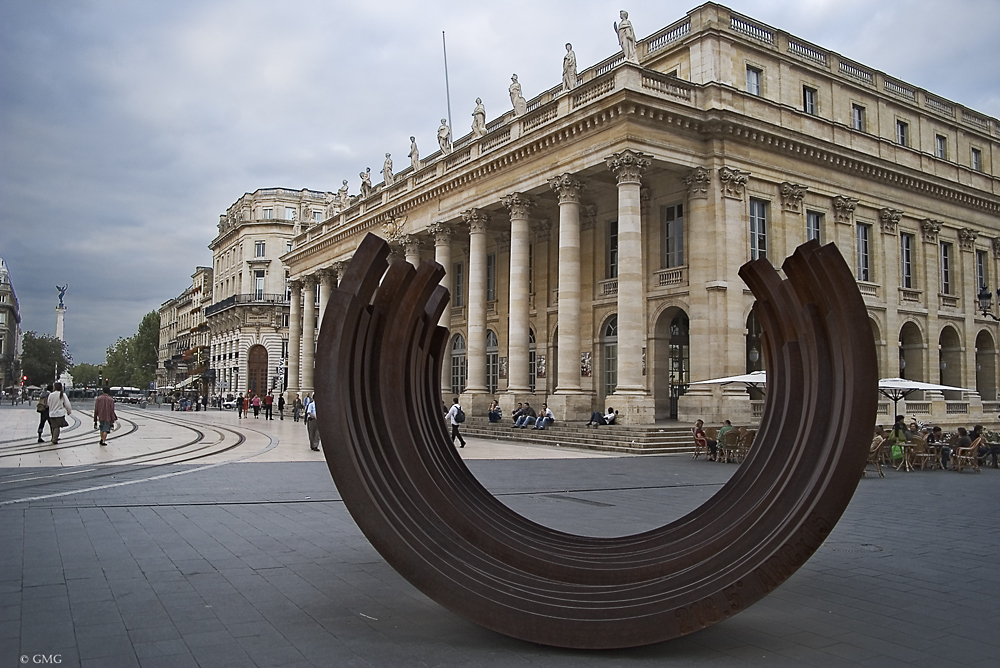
(197, 539)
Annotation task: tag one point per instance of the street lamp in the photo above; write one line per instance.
(985, 302)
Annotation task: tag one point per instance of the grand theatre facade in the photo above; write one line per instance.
(592, 243)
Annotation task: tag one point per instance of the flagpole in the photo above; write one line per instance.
(447, 88)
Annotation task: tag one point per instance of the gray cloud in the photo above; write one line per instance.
(126, 128)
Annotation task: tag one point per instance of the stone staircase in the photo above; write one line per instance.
(633, 440)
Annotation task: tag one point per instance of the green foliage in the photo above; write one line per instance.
(40, 357)
(132, 361)
(85, 374)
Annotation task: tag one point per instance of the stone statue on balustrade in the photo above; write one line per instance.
(569, 69)
(366, 183)
(414, 154)
(342, 196)
(444, 137)
(516, 98)
(626, 37)
(387, 177)
(479, 119)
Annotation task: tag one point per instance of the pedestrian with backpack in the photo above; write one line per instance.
(456, 416)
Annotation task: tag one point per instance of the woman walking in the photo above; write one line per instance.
(59, 408)
(256, 406)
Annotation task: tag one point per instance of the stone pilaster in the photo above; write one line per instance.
(519, 206)
(632, 398)
(294, 338)
(442, 255)
(476, 308)
(308, 355)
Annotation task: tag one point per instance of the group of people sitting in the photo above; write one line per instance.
(524, 416)
(903, 433)
(702, 439)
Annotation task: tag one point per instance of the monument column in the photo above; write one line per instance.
(636, 403)
(569, 402)
(476, 307)
(308, 355)
(517, 328)
(411, 248)
(294, 337)
(442, 255)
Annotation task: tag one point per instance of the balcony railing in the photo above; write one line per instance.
(234, 300)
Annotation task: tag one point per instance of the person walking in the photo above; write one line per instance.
(296, 407)
(312, 427)
(104, 413)
(268, 405)
(281, 406)
(59, 408)
(456, 416)
(239, 408)
(256, 406)
(43, 410)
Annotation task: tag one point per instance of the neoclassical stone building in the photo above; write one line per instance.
(10, 331)
(248, 313)
(592, 242)
(184, 337)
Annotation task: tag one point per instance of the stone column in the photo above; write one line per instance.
(326, 279)
(294, 337)
(411, 248)
(518, 326)
(308, 355)
(569, 402)
(442, 255)
(636, 404)
(476, 308)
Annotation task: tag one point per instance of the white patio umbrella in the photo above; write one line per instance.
(900, 388)
(755, 380)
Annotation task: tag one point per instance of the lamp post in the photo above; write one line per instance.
(985, 303)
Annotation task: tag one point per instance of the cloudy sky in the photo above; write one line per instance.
(127, 127)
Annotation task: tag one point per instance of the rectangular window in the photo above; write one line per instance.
(758, 229)
(289, 213)
(288, 288)
(672, 236)
(941, 147)
(284, 348)
(981, 267)
(318, 216)
(3, 317)
(906, 260)
(809, 100)
(946, 268)
(864, 233)
(288, 246)
(902, 133)
(814, 225)
(858, 117)
(458, 297)
(258, 284)
(259, 249)
(316, 296)
(284, 320)
(612, 254)
(753, 80)
(267, 214)
(977, 160)
(491, 277)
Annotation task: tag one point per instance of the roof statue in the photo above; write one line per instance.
(569, 69)
(516, 98)
(387, 177)
(444, 137)
(414, 154)
(479, 119)
(626, 37)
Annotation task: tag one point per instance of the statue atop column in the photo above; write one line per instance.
(366, 183)
(516, 99)
(569, 69)
(444, 137)
(61, 289)
(479, 119)
(626, 37)
(387, 178)
(414, 154)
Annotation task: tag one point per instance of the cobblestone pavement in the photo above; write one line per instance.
(228, 560)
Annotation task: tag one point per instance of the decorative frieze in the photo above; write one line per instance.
(541, 227)
(697, 181)
(888, 219)
(567, 187)
(843, 209)
(588, 216)
(392, 229)
(628, 166)
(967, 238)
(929, 230)
(518, 204)
(476, 219)
(734, 182)
(791, 196)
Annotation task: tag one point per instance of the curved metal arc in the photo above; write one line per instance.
(422, 509)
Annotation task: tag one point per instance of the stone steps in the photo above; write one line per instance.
(650, 439)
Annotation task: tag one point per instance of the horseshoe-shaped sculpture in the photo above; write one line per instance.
(380, 415)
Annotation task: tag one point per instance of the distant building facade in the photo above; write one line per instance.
(184, 338)
(10, 331)
(592, 242)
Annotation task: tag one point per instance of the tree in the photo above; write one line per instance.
(85, 374)
(43, 358)
(118, 363)
(132, 361)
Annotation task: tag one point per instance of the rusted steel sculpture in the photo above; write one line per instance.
(380, 412)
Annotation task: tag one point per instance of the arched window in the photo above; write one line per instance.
(458, 365)
(609, 345)
(492, 362)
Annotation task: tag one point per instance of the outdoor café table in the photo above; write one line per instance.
(906, 462)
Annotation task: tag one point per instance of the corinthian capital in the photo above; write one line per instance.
(734, 182)
(697, 181)
(628, 166)
(441, 232)
(518, 204)
(791, 196)
(411, 243)
(889, 219)
(567, 187)
(295, 284)
(476, 219)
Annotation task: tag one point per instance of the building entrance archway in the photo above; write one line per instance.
(257, 369)
(986, 380)
(671, 361)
